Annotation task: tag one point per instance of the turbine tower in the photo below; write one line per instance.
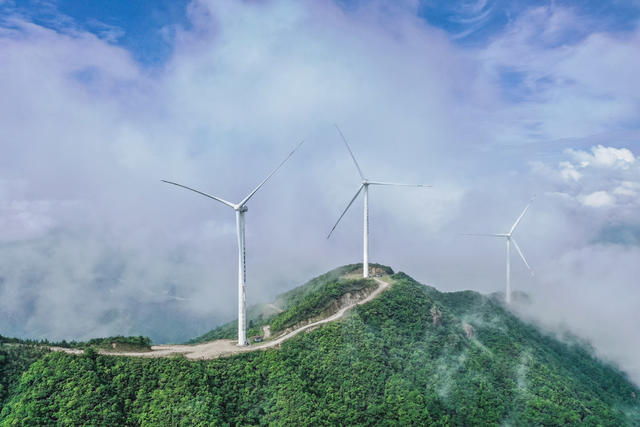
(241, 209)
(365, 186)
(509, 240)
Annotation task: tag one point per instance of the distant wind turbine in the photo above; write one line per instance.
(365, 186)
(241, 209)
(510, 239)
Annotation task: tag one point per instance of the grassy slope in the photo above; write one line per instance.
(298, 304)
(386, 363)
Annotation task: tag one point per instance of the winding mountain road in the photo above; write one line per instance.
(221, 348)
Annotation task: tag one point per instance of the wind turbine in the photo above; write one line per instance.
(510, 239)
(365, 186)
(241, 209)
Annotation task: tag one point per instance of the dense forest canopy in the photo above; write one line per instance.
(413, 356)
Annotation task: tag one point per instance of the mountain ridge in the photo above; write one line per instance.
(412, 355)
(331, 285)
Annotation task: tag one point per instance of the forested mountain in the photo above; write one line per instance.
(412, 355)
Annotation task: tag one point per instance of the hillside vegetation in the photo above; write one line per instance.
(412, 356)
(14, 360)
(134, 343)
(311, 300)
(17, 355)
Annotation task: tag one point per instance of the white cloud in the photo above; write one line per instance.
(604, 157)
(602, 177)
(25, 218)
(627, 188)
(593, 292)
(598, 199)
(568, 172)
(83, 122)
(562, 90)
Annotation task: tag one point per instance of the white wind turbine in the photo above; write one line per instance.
(510, 239)
(365, 186)
(241, 209)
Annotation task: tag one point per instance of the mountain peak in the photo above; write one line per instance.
(411, 355)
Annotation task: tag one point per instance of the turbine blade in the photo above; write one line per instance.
(397, 184)
(204, 194)
(515, 224)
(351, 152)
(346, 209)
(521, 255)
(483, 234)
(246, 199)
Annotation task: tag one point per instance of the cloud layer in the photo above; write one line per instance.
(92, 243)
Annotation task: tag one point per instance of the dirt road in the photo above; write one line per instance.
(221, 348)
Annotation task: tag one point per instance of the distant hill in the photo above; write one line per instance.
(411, 356)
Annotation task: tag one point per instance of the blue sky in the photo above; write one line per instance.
(475, 22)
(144, 27)
(490, 102)
(147, 28)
